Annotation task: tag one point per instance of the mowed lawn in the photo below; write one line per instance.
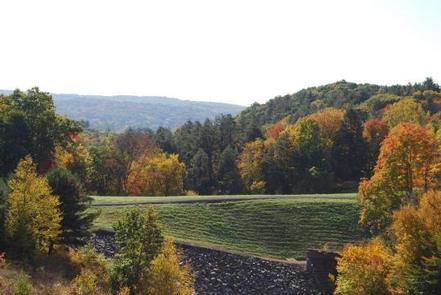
(271, 226)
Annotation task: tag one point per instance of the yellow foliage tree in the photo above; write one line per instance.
(407, 110)
(250, 165)
(167, 277)
(329, 121)
(33, 216)
(159, 174)
(364, 270)
(417, 232)
(74, 157)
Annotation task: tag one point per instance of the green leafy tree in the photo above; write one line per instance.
(300, 157)
(107, 168)
(74, 203)
(138, 240)
(28, 122)
(15, 140)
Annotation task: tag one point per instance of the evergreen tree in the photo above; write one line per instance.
(349, 152)
(228, 174)
(164, 139)
(198, 173)
(74, 203)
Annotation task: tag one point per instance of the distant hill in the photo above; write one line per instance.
(120, 112)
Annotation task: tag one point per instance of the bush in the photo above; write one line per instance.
(94, 271)
(23, 285)
(167, 276)
(138, 240)
(364, 269)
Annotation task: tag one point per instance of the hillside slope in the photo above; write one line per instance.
(120, 112)
(341, 94)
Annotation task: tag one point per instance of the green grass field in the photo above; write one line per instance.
(126, 200)
(271, 226)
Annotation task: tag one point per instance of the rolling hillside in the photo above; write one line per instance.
(120, 112)
(270, 226)
(341, 94)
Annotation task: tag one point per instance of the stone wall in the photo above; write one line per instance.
(321, 265)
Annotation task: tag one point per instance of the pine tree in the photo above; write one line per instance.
(228, 174)
(198, 173)
(73, 205)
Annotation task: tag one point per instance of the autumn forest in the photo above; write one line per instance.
(383, 142)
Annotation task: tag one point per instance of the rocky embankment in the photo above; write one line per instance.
(220, 272)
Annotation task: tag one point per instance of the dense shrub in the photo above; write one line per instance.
(23, 285)
(166, 274)
(138, 240)
(364, 269)
(94, 271)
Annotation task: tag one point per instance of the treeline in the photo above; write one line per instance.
(321, 139)
(325, 140)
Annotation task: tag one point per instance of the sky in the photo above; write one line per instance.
(234, 51)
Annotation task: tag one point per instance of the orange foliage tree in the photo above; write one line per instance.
(411, 264)
(158, 174)
(408, 165)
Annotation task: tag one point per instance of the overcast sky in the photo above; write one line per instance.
(230, 51)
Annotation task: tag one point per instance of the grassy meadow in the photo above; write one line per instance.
(270, 226)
